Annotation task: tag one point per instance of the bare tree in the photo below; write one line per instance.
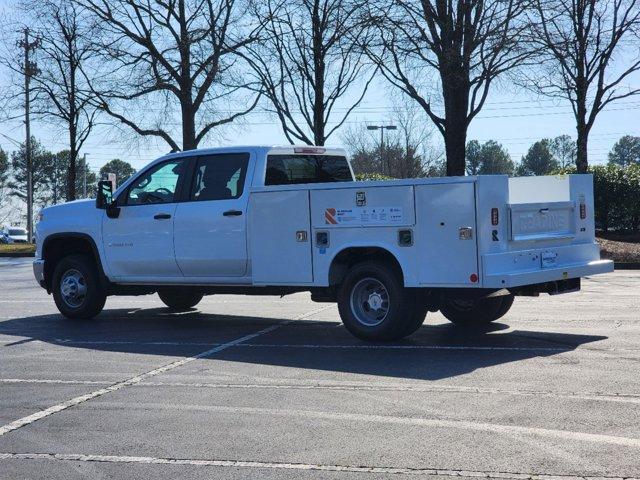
(174, 58)
(580, 40)
(408, 151)
(461, 46)
(310, 66)
(61, 85)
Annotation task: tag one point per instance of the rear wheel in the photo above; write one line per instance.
(468, 312)
(77, 289)
(373, 303)
(418, 317)
(507, 302)
(180, 299)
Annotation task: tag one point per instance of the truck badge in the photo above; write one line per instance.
(361, 199)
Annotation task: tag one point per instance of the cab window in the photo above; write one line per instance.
(296, 169)
(219, 177)
(157, 185)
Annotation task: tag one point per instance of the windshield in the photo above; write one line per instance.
(17, 231)
(295, 169)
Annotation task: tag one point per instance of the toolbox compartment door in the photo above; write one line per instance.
(446, 234)
(280, 238)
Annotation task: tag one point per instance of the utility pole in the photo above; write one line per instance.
(382, 128)
(30, 69)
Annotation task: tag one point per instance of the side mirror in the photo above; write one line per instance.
(105, 194)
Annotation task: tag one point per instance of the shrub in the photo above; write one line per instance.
(372, 176)
(616, 191)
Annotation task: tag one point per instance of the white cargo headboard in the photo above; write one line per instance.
(539, 189)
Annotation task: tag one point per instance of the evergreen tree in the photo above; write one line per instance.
(626, 151)
(539, 160)
(122, 169)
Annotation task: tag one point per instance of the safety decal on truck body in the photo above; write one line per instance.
(363, 216)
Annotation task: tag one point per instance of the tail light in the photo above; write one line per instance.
(495, 216)
(583, 211)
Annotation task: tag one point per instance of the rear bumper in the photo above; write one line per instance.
(543, 275)
(38, 272)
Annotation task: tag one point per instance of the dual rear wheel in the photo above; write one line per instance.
(375, 306)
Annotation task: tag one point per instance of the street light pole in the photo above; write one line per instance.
(30, 69)
(382, 128)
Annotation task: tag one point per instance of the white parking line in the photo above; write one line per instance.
(515, 431)
(425, 472)
(138, 378)
(52, 381)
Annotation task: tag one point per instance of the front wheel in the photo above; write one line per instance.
(77, 290)
(468, 312)
(179, 299)
(373, 303)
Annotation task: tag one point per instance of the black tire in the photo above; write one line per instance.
(417, 319)
(77, 289)
(180, 299)
(393, 309)
(468, 312)
(507, 302)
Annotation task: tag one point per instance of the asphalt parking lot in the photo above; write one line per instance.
(264, 387)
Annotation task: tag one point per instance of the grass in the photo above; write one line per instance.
(619, 247)
(17, 248)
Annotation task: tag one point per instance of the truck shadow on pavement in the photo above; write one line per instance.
(435, 351)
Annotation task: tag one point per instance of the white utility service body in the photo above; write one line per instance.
(539, 236)
(386, 250)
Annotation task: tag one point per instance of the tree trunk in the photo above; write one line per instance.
(582, 161)
(319, 71)
(582, 127)
(188, 126)
(73, 154)
(455, 90)
(73, 126)
(186, 84)
(454, 143)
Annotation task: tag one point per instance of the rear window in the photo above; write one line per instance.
(17, 231)
(295, 169)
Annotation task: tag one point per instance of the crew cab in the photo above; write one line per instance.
(267, 220)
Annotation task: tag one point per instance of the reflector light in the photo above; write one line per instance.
(473, 277)
(583, 211)
(309, 150)
(494, 216)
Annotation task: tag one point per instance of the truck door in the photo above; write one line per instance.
(139, 242)
(210, 236)
(446, 236)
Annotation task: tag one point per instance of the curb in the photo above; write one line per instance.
(16, 255)
(626, 265)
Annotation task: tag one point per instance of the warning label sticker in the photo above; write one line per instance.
(363, 216)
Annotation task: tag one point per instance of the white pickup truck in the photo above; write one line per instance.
(266, 220)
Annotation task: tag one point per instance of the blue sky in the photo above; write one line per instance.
(514, 118)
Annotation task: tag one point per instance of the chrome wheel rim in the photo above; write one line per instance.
(73, 288)
(370, 302)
